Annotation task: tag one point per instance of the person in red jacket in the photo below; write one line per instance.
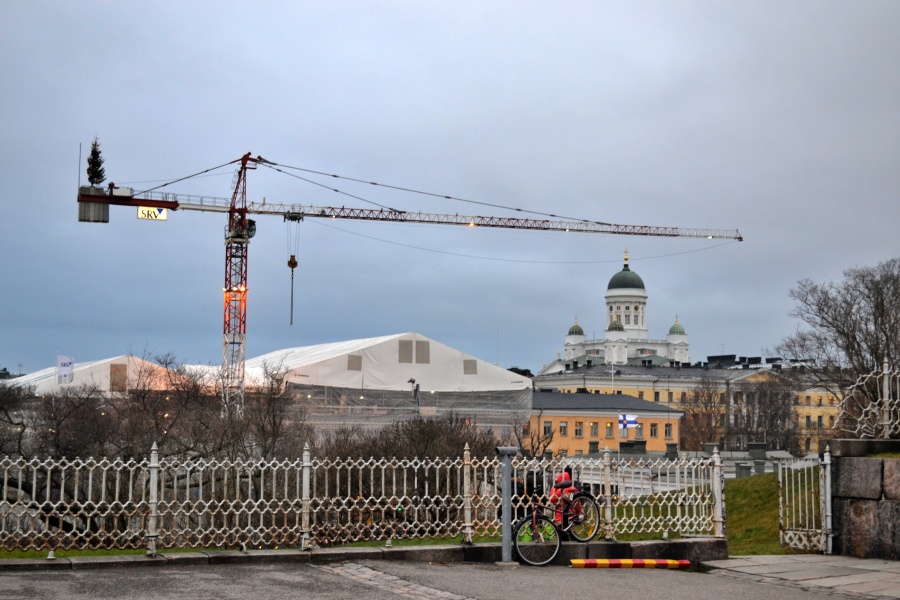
(563, 494)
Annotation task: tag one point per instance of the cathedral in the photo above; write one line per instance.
(625, 340)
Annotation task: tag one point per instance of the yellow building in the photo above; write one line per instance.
(815, 410)
(577, 424)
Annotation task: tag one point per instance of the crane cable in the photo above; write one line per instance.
(273, 166)
(293, 248)
(162, 185)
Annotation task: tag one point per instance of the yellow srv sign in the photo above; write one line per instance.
(153, 214)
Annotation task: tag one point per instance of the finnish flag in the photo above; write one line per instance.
(626, 421)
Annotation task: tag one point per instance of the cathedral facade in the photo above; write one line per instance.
(626, 340)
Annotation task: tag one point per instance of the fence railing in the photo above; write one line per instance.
(804, 503)
(203, 503)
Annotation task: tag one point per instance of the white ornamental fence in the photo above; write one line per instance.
(207, 503)
(804, 503)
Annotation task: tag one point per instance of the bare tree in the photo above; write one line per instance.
(852, 326)
(763, 411)
(276, 424)
(14, 418)
(72, 423)
(705, 414)
(532, 441)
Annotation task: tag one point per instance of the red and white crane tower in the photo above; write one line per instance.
(94, 207)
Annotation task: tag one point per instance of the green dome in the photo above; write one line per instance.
(626, 279)
(616, 325)
(676, 329)
(576, 329)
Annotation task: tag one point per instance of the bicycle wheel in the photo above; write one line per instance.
(584, 517)
(536, 540)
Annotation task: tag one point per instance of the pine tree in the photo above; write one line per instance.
(95, 172)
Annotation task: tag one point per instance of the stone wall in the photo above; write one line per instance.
(865, 496)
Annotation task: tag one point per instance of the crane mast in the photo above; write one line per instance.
(241, 229)
(234, 330)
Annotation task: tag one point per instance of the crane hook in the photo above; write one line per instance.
(292, 263)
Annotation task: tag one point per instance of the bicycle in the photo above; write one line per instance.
(537, 537)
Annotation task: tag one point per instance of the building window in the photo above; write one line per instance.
(808, 422)
(623, 433)
(118, 378)
(548, 428)
(628, 319)
(668, 430)
(671, 396)
(654, 430)
(579, 452)
(639, 431)
(609, 429)
(563, 428)
(579, 429)
(423, 352)
(593, 447)
(656, 396)
(563, 453)
(808, 401)
(819, 421)
(595, 429)
(641, 395)
(684, 396)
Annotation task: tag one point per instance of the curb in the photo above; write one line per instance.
(693, 550)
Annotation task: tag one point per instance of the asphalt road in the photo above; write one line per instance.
(383, 580)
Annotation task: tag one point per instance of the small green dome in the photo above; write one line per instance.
(626, 279)
(676, 329)
(576, 329)
(616, 325)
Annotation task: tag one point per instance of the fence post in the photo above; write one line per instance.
(608, 527)
(153, 522)
(826, 494)
(886, 402)
(467, 495)
(304, 518)
(718, 512)
(506, 454)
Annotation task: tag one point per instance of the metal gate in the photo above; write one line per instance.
(804, 503)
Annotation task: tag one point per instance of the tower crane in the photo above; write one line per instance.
(94, 207)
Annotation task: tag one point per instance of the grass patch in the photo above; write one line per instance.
(751, 519)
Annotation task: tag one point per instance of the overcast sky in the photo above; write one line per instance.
(779, 119)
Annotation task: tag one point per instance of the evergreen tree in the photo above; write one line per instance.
(96, 174)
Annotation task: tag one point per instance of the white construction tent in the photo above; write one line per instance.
(368, 382)
(374, 381)
(110, 375)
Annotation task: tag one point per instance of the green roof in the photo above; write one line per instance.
(626, 279)
(576, 329)
(676, 329)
